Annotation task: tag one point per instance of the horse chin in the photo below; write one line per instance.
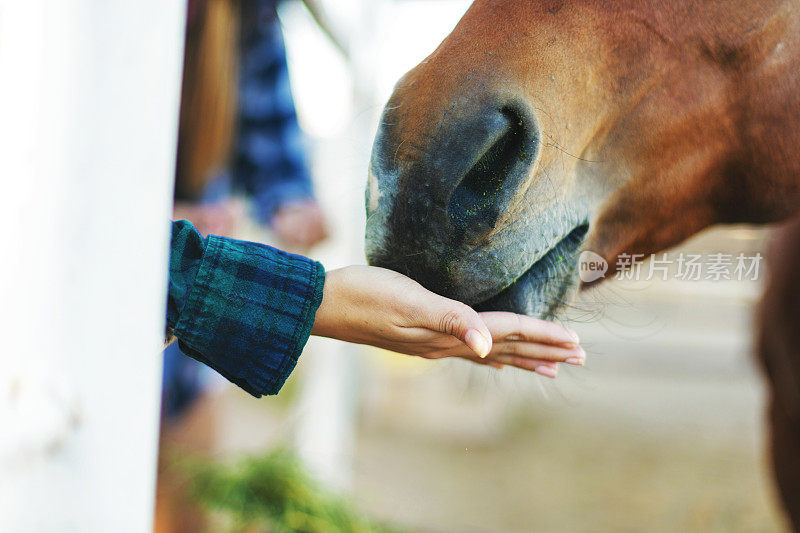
(542, 291)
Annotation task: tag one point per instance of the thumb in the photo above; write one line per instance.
(462, 322)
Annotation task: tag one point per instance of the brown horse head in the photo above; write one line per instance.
(538, 128)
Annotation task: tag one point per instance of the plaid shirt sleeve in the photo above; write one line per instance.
(244, 309)
(270, 156)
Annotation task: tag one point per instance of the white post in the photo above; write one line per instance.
(88, 105)
(328, 403)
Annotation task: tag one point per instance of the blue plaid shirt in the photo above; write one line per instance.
(269, 160)
(244, 309)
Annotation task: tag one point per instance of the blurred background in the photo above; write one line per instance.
(662, 430)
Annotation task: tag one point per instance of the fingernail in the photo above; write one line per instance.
(546, 371)
(478, 343)
(574, 361)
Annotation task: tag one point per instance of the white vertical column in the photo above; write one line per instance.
(328, 403)
(89, 105)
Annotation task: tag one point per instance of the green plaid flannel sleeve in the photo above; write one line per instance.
(243, 308)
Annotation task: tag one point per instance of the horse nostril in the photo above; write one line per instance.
(491, 182)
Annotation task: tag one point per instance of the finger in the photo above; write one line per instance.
(461, 321)
(524, 362)
(544, 368)
(530, 350)
(512, 326)
(485, 362)
(535, 350)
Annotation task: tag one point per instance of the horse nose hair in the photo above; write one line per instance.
(504, 158)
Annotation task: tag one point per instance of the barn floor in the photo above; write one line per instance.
(552, 475)
(668, 455)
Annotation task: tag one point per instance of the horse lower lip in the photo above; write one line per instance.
(539, 291)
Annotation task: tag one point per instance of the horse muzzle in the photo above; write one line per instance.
(437, 202)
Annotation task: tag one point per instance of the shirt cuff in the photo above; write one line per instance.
(250, 311)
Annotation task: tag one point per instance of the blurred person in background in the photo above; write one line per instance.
(239, 134)
(238, 126)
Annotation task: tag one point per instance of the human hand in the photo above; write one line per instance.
(209, 219)
(300, 224)
(379, 307)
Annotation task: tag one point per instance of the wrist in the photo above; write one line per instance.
(325, 320)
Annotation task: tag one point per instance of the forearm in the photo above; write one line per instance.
(243, 308)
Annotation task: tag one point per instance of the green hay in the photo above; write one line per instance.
(275, 493)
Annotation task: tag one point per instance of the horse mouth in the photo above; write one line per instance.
(541, 290)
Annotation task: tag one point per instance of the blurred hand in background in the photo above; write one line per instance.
(300, 224)
(217, 218)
